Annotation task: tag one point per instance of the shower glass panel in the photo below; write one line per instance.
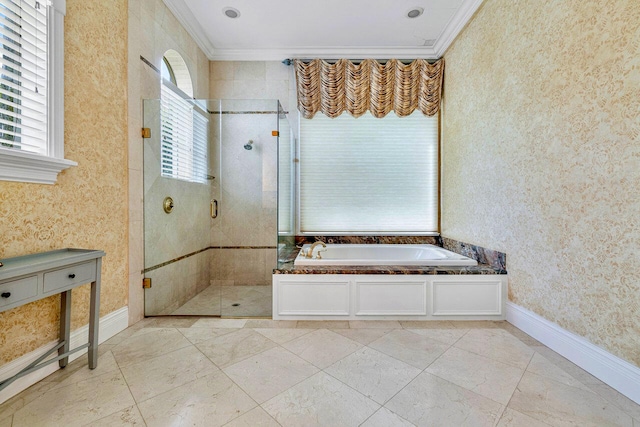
(213, 253)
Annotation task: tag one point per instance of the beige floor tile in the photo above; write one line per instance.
(267, 323)
(416, 350)
(521, 335)
(198, 335)
(446, 336)
(6, 422)
(77, 404)
(234, 347)
(209, 401)
(569, 367)
(269, 373)
(618, 399)
(487, 377)
(153, 376)
(13, 404)
(78, 370)
(121, 336)
(363, 336)
(171, 322)
(432, 401)
(129, 417)
(252, 300)
(148, 343)
(427, 324)
(256, 417)
(386, 418)
(282, 336)
(478, 324)
(561, 405)
(374, 374)
(322, 347)
(539, 365)
(220, 323)
(497, 344)
(323, 324)
(374, 324)
(320, 401)
(511, 418)
(205, 303)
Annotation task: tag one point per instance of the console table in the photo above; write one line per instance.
(30, 278)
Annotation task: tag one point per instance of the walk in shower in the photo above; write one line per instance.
(211, 205)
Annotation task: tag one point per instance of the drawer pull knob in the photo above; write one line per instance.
(5, 294)
(72, 276)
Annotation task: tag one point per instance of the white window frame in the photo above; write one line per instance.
(21, 166)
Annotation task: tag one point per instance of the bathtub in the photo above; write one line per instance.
(382, 254)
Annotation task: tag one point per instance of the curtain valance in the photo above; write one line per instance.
(369, 85)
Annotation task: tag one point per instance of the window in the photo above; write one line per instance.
(183, 124)
(368, 175)
(31, 91)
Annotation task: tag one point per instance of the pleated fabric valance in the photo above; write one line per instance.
(369, 85)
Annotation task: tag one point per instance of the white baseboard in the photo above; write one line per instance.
(110, 325)
(612, 370)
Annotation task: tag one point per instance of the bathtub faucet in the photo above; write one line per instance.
(309, 253)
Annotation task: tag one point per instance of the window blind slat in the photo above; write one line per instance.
(183, 138)
(369, 175)
(23, 81)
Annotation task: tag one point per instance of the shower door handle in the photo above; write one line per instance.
(213, 208)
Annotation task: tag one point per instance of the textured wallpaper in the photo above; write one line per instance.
(87, 208)
(541, 158)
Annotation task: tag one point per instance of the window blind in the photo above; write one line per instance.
(23, 78)
(183, 137)
(369, 175)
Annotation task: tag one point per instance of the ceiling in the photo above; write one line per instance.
(279, 29)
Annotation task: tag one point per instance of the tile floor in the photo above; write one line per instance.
(187, 371)
(253, 301)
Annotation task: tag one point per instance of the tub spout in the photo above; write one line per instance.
(309, 253)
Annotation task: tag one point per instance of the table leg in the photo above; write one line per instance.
(94, 318)
(65, 325)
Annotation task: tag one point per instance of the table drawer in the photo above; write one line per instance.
(18, 290)
(69, 276)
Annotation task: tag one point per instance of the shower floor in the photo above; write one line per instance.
(229, 301)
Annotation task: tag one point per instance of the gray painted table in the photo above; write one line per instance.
(30, 278)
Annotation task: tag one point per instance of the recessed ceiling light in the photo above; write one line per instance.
(231, 12)
(415, 12)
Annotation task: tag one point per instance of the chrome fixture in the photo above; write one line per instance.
(249, 145)
(309, 252)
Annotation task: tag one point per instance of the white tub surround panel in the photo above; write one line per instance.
(381, 296)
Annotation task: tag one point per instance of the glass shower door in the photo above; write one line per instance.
(178, 190)
(244, 242)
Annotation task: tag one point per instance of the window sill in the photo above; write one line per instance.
(28, 167)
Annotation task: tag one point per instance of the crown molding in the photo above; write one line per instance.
(462, 16)
(323, 52)
(183, 14)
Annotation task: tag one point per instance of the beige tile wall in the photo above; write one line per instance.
(541, 158)
(152, 31)
(248, 197)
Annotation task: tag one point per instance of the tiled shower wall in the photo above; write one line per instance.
(152, 31)
(244, 236)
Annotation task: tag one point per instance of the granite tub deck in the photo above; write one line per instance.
(391, 292)
(489, 261)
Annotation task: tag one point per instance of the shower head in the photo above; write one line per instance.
(249, 145)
